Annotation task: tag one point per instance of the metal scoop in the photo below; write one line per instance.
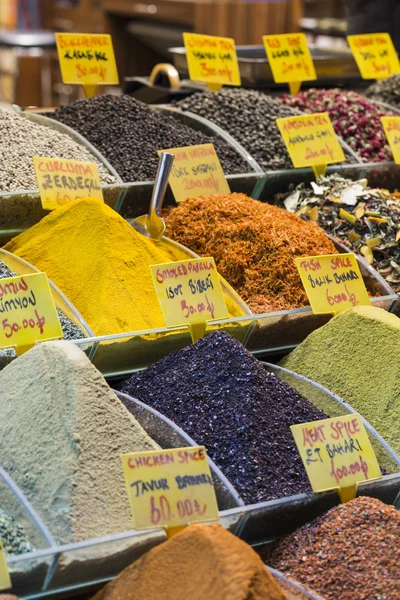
(155, 226)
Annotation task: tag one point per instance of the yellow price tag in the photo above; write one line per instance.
(196, 171)
(333, 283)
(168, 488)
(28, 314)
(391, 125)
(87, 59)
(289, 58)
(5, 579)
(61, 181)
(375, 55)
(336, 454)
(189, 293)
(212, 59)
(311, 140)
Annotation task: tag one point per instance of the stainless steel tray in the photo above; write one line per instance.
(333, 67)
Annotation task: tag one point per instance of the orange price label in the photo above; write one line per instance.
(333, 283)
(211, 59)
(87, 58)
(168, 488)
(61, 181)
(375, 55)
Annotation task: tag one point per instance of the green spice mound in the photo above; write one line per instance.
(356, 355)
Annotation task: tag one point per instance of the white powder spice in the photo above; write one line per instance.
(62, 430)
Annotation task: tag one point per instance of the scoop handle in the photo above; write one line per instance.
(154, 223)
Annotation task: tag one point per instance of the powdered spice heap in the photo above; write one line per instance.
(356, 355)
(61, 433)
(225, 399)
(351, 552)
(100, 263)
(202, 562)
(254, 246)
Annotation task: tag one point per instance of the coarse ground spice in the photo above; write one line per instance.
(21, 139)
(129, 133)
(355, 118)
(250, 117)
(386, 90)
(356, 355)
(100, 263)
(364, 219)
(201, 562)
(225, 399)
(254, 245)
(352, 552)
(13, 536)
(61, 433)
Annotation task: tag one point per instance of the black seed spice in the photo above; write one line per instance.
(129, 133)
(225, 399)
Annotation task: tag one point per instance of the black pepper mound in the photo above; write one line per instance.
(225, 399)
(249, 116)
(128, 133)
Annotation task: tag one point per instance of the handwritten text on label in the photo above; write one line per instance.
(87, 58)
(333, 282)
(27, 311)
(196, 171)
(375, 55)
(310, 140)
(211, 59)
(169, 487)
(289, 57)
(336, 452)
(391, 125)
(61, 181)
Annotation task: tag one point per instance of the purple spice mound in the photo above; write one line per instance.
(224, 399)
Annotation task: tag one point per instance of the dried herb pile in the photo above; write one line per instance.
(254, 245)
(354, 118)
(386, 90)
(364, 219)
(353, 551)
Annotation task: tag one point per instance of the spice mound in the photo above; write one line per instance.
(356, 355)
(351, 552)
(61, 433)
(254, 245)
(250, 117)
(386, 90)
(225, 399)
(13, 536)
(364, 219)
(21, 139)
(201, 562)
(354, 118)
(100, 263)
(129, 133)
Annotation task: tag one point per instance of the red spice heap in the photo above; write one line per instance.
(254, 246)
(354, 117)
(353, 551)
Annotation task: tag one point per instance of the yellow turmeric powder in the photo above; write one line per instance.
(100, 263)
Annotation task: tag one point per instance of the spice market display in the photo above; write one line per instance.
(177, 438)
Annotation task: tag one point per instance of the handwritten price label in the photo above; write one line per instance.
(196, 170)
(211, 59)
(289, 57)
(61, 181)
(391, 125)
(87, 58)
(310, 140)
(375, 55)
(5, 580)
(336, 453)
(168, 488)
(27, 311)
(333, 282)
(189, 292)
